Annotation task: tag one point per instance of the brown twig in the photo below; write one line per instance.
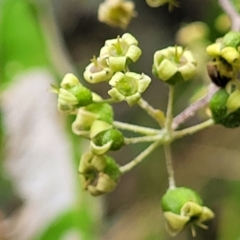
(194, 107)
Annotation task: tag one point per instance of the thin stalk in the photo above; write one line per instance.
(169, 118)
(169, 165)
(194, 129)
(158, 137)
(156, 114)
(139, 158)
(135, 128)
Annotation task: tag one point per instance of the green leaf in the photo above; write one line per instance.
(22, 43)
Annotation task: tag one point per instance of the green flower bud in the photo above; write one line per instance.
(173, 65)
(120, 52)
(182, 206)
(71, 94)
(112, 135)
(225, 108)
(128, 86)
(97, 71)
(99, 173)
(116, 13)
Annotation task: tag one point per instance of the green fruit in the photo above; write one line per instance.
(112, 169)
(174, 199)
(219, 111)
(113, 135)
(83, 95)
(104, 110)
(231, 39)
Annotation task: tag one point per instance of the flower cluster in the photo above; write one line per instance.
(182, 206)
(112, 66)
(94, 120)
(94, 116)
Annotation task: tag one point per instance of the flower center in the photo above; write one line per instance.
(127, 86)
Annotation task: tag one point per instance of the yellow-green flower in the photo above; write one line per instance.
(116, 13)
(72, 94)
(225, 55)
(128, 86)
(97, 71)
(182, 206)
(120, 52)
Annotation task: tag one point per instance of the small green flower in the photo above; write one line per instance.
(97, 71)
(99, 174)
(173, 65)
(72, 95)
(182, 206)
(87, 115)
(120, 52)
(225, 108)
(128, 86)
(116, 13)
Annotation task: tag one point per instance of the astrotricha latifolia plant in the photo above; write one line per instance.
(95, 120)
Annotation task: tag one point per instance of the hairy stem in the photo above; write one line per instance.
(194, 129)
(139, 158)
(156, 114)
(135, 128)
(169, 118)
(169, 165)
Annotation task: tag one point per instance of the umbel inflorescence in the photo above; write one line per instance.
(95, 119)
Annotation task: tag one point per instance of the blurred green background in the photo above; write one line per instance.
(40, 194)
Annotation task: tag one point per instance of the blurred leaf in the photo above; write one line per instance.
(22, 44)
(70, 222)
